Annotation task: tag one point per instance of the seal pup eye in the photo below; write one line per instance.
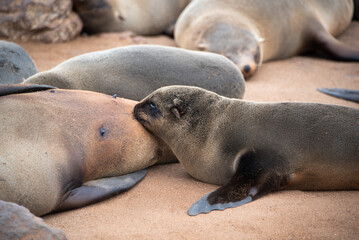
(152, 106)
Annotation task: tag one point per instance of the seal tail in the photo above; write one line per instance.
(350, 95)
(8, 89)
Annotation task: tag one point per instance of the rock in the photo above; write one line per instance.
(16, 222)
(15, 64)
(39, 20)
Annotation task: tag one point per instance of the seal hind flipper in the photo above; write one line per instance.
(328, 44)
(8, 89)
(100, 189)
(347, 94)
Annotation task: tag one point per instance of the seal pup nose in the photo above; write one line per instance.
(246, 68)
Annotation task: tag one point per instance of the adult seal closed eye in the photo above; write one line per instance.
(254, 148)
(65, 149)
(252, 32)
(133, 72)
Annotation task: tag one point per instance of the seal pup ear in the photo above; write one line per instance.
(175, 112)
(177, 108)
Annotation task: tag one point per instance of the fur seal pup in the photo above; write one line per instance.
(252, 32)
(15, 64)
(254, 148)
(145, 17)
(133, 72)
(65, 149)
(16, 222)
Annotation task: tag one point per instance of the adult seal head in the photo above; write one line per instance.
(133, 72)
(254, 148)
(252, 32)
(66, 149)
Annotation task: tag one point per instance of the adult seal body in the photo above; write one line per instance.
(133, 72)
(250, 32)
(64, 149)
(254, 148)
(145, 17)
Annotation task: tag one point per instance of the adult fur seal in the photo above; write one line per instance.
(65, 149)
(133, 72)
(145, 17)
(249, 32)
(254, 148)
(15, 64)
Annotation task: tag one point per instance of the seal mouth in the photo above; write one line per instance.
(137, 114)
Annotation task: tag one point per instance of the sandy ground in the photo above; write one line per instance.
(156, 208)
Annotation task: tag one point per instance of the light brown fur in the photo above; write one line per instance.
(52, 143)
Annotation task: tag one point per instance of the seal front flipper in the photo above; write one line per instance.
(8, 89)
(234, 194)
(350, 95)
(237, 193)
(252, 179)
(100, 189)
(203, 206)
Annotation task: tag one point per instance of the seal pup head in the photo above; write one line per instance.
(174, 105)
(238, 44)
(181, 117)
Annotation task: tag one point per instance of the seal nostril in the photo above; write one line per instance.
(102, 131)
(246, 68)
